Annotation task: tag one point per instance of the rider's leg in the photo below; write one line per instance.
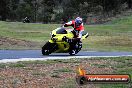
(76, 41)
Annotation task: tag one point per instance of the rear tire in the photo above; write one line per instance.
(48, 48)
(78, 47)
(75, 47)
(72, 53)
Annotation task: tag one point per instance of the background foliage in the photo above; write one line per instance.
(57, 11)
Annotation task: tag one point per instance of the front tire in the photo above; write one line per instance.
(48, 48)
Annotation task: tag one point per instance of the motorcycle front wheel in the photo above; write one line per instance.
(48, 48)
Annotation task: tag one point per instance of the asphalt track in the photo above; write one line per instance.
(25, 55)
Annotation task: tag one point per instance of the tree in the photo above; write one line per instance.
(3, 10)
(47, 10)
(129, 2)
(12, 8)
(55, 10)
(24, 10)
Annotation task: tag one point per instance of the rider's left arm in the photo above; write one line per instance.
(68, 24)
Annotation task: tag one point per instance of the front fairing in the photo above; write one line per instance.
(56, 37)
(59, 33)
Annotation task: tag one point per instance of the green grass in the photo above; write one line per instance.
(30, 32)
(12, 65)
(50, 61)
(63, 70)
(70, 83)
(99, 65)
(38, 74)
(123, 20)
(18, 65)
(119, 65)
(55, 74)
(114, 36)
(2, 65)
(123, 66)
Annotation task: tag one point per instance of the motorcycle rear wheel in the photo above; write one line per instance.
(75, 47)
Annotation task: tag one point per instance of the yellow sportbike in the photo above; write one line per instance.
(57, 45)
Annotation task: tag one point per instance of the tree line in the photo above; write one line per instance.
(56, 11)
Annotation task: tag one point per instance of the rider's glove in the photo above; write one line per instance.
(67, 39)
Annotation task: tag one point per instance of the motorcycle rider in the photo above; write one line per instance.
(77, 24)
(26, 20)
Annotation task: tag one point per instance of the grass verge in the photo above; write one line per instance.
(62, 73)
(114, 36)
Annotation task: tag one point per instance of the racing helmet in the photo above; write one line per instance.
(78, 21)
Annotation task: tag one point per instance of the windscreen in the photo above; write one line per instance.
(61, 31)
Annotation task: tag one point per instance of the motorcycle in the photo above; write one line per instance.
(26, 20)
(57, 45)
